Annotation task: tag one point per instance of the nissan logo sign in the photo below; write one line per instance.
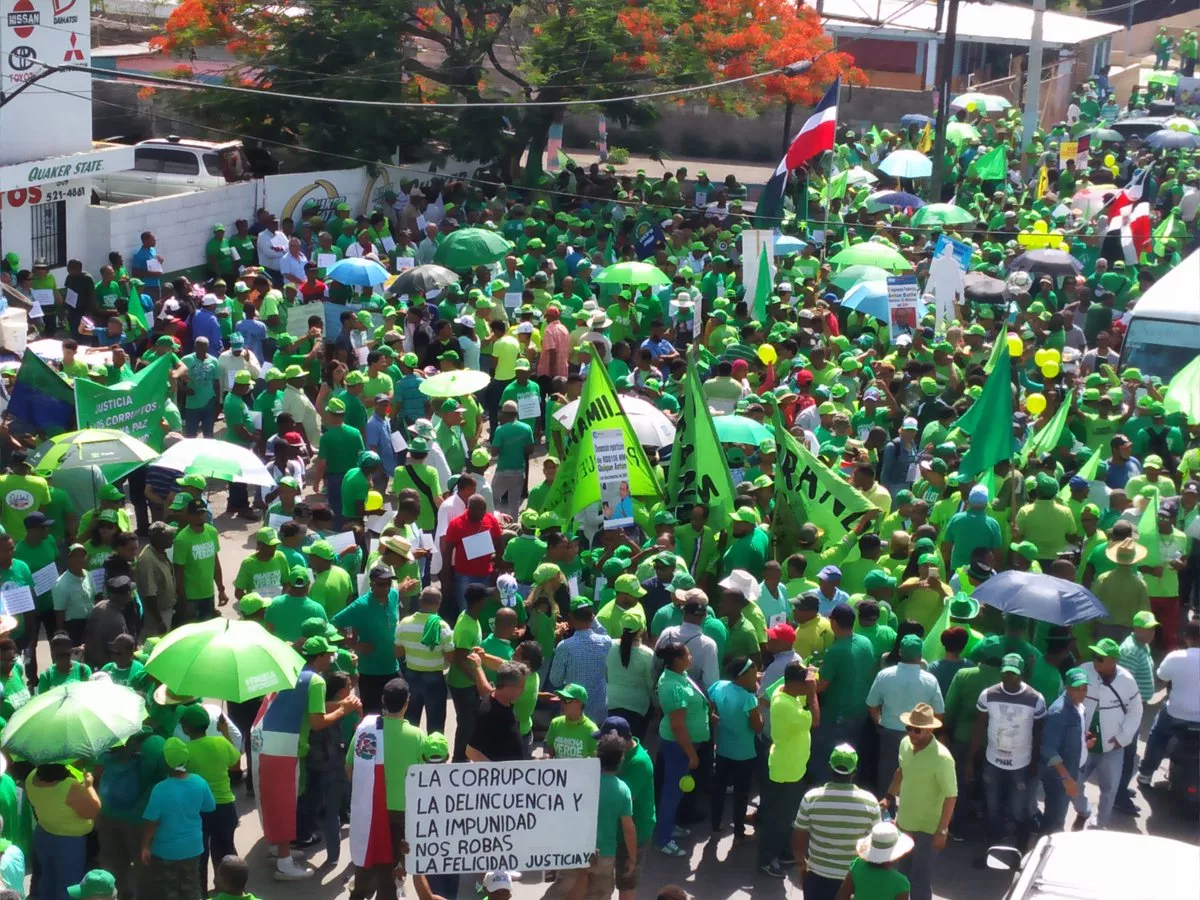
(22, 58)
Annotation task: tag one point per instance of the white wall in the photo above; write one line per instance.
(182, 224)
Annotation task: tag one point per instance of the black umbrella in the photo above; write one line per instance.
(1104, 135)
(915, 119)
(1047, 262)
(1170, 139)
(420, 279)
(983, 288)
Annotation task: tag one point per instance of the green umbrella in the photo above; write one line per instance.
(632, 273)
(740, 430)
(224, 659)
(1162, 76)
(872, 253)
(470, 247)
(942, 214)
(458, 383)
(852, 275)
(961, 132)
(79, 720)
(115, 452)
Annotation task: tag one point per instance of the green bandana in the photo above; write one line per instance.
(431, 637)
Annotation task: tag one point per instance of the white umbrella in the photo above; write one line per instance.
(216, 459)
(652, 428)
(859, 175)
(906, 164)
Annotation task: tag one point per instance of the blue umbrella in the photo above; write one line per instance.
(357, 271)
(789, 244)
(868, 297)
(900, 199)
(906, 164)
(1041, 597)
(915, 119)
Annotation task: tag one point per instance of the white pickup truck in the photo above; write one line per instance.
(174, 165)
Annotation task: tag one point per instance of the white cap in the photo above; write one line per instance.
(468, 321)
(909, 423)
(499, 880)
(785, 286)
(210, 300)
(525, 328)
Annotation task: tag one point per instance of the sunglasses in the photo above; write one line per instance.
(911, 730)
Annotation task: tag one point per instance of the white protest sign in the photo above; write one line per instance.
(520, 816)
(44, 579)
(16, 598)
(43, 296)
(278, 520)
(97, 577)
(904, 298)
(388, 244)
(404, 262)
(72, 299)
(529, 406)
(398, 442)
(341, 542)
(326, 260)
(612, 468)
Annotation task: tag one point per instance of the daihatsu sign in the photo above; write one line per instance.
(66, 168)
(51, 117)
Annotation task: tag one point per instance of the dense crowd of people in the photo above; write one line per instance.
(844, 695)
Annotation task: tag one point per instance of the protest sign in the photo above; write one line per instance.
(1067, 151)
(519, 816)
(613, 472)
(961, 251)
(904, 298)
(135, 407)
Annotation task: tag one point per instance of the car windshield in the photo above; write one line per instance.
(1161, 347)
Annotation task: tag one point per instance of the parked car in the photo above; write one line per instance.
(1104, 865)
(175, 165)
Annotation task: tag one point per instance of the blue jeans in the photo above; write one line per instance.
(1054, 815)
(675, 766)
(201, 418)
(428, 692)
(1161, 732)
(61, 863)
(461, 582)
(1106, 767)
(333, 496)
(1005, 792)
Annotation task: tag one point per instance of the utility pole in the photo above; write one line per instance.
(945, 79)
(1033, 79)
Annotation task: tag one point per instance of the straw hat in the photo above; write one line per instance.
(886, 843)
(922, 717)
(1126, 553)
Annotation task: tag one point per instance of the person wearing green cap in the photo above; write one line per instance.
(287, 612)
(265, 570)
(570, 735)
(1112, 710)
(1046, 522)
(196, 554)
(830, 822)
(1062, 740)
(337, 452)
(211, 757)
(239, 430)
(173, 839)
(98, 884)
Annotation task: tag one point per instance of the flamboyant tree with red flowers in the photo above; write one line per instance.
(534, 51)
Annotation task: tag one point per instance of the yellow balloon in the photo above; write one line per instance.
(1015, 347)
(1036, 404)
(1114, 170)
(1050, 370)
(767, 354)
(1109, 159)
(1040, 227)
(971, 106)
(1040, 357)
(1053, 355)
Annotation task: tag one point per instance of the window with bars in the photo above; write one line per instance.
(49, 233)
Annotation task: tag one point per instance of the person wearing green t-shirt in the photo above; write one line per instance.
(21, 494)
(200, 390)
(513, 441)
(287, 613)
(211, 757)
(39, 551)
(239, 430)
(332, 585)
(337, 452)
(63, 666)
(467, 635)
(264, 571)
(570, 735)
(197, 563)
(356, 484)
(372, 618)
(418, 475)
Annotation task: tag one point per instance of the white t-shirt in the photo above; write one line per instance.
(1182, 669)
(1010, 724)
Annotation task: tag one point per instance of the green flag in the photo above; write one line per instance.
(699, 472)
(1047, 437)
(1183, 392)
(135, 407)
(605, 461)
(1001, 346)
(136, 311)
(813, 492)
(836, 189)
(762, 286)
(1147, 532)
(989, 422)
(993, 165)
(1087, 472)
(932, 649)
(1167, 228)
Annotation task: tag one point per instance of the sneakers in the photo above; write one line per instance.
(680, 832)
(289, 870)
(306, 843)
(1145, 780)
(672, 849)
(773, 868)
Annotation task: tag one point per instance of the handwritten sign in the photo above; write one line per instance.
(520, 816)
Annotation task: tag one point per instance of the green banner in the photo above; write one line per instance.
(1048, 436)
(699, 472)
(618, 473)
(135, 407)
(812, 491)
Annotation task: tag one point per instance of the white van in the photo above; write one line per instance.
(1163, 334)
(174, 165)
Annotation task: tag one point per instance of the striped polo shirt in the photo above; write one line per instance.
(835, 815)
(418, 657)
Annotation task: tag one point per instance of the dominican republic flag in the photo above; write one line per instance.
(815, 137)
(275, 742)
(370, 830)
(1127, 235)
(1127, 196)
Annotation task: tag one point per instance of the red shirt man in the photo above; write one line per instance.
(475, 521)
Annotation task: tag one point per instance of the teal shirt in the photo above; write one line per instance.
(735, 737)
(374, 623)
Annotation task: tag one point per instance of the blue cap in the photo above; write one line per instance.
(1077, 482)
(829, 572)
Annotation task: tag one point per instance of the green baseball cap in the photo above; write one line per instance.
(1106, 647)
(298, 576)
(843, 759)
(573, 692)
(1145, 619)
(1012, 662)
(315, 646)
(109, 492)
(267, 535)
(1075, 677)
(175, 753)
(322, 550)
(629, 584)
(249, 604)
(545, 572)
(192, 481)
(96, 883)
(910, 647)
(435, 747)
(1027, 549)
